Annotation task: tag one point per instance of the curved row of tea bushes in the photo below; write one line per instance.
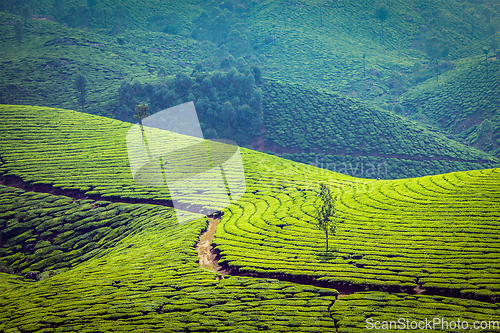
(45, 233)
(437, 232)
(364, 311)
(150, 280)
(75, 151)
(464, 102)
(302, 121)
(331, 122)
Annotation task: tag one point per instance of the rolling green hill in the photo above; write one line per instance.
(357, 312)
(344, 51)
(464, 102)
(118, 43)
(43, 68)
(435, 232)
(120, 266)
(148, 279)
(343, 134)
(388, 89)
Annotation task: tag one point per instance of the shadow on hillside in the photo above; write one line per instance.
(326, 256)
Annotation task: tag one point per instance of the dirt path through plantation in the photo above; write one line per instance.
(209, 259)
(204, 247)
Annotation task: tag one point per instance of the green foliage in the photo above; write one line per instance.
(18, 31)
(326, 216)
(460, 101)
(228, 104)
(388, 235)
(43, 240)
(382, 13)
(147, 277)
(359, 312)
(131, 267)
(81, 87)
(225, 25)
(141, 111)
(42, 72)
(361, 138)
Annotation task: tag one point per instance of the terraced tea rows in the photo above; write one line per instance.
(55, 147)
(42, 232)
(462, 101)
(321, 128)
(437, 232)
(392, 312)
(146, 279)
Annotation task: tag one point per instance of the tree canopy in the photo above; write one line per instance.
(326, 215)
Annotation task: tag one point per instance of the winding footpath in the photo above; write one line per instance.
(209, 258)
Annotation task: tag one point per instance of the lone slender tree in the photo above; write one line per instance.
(382, 13)
(141, 112)
(325, 214)
(486, 51)
(18, 31)
(81, 87)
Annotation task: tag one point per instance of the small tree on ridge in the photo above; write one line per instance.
(81, 87)
(382, 13)
(325, 214)
(141, 112)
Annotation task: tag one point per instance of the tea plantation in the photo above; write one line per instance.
(345, 135)
(119, 267)
(464, 102)
(95, 264)
(435, 232)
(42, 70)
(373, 310)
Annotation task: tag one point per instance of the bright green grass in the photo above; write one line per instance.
(42, 232)
(436, 231)
(73, 150)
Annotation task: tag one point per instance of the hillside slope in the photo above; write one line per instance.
(342, 47)
(119, 266)
(465, 102)
(435, 232)
(42, 69)
(328, 130)
(147, 280)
